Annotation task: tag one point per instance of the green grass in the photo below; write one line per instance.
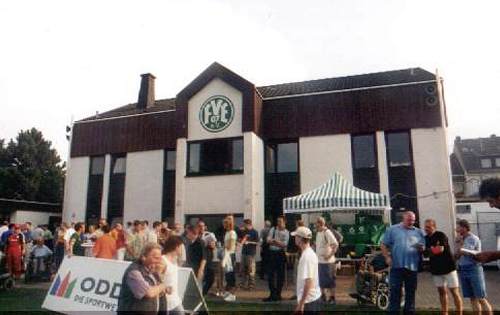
(30, 300)
(24, 300)
(220, 307)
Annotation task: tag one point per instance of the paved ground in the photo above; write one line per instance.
(427, 297)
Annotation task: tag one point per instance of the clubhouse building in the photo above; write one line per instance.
(224, 145)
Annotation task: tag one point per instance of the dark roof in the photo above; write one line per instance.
(348, 82)
(14, 204)
(294, 88)
(469, 153)
(456, 168)
(131, 109)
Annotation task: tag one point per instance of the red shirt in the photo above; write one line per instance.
(15, 244)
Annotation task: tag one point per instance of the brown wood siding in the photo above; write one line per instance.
(127, 134)
(363, 111)
(257, 118)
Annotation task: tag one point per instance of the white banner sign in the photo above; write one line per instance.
(93, 285)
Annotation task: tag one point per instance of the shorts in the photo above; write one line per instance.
(449, 280)
(472, 282)
(326, 276)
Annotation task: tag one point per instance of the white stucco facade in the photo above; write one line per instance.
(321, 157)
(254, 179)
(75, 189)
(143, 186)
(180, 175)
(35, 217)
(220, 194)
(214, 194)
(382, 163)
(432, 177)
(213, 88)
(105, 185)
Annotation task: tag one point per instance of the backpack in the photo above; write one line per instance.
(338, 236)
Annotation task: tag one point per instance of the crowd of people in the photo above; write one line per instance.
(218, 258)
(20, 243)
(404, 246)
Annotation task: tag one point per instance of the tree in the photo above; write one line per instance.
(30, 169)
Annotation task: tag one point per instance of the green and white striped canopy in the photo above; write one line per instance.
(336, 194)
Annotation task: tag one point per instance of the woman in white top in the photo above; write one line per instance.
(229, 260)
(172, 249)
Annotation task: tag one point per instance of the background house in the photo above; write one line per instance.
(472, 161)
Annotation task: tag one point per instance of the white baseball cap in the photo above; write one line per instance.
(303, 232)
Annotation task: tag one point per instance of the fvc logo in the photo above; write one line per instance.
(216, 113)
(63, 288)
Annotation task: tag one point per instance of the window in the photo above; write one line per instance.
(170, 158)
(463, 209)
(119, 165)
(238, 155)
(398, 149)
(168, 199)
(282, 158)
(365, 168)
(497, 162)
(364, 152)
(486, 163)
(97, 165)
(282, 177)
(116, 192)
(215, 157)
(271, 158)
(402, 185)
(94, 190)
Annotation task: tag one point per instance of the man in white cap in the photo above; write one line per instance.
(308, 290)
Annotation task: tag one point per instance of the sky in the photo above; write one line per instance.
(64, 60)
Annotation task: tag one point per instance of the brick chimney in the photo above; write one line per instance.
(147, 91)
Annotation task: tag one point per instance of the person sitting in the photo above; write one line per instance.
(375, 270)
(40, 255)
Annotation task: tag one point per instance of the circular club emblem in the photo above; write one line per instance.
(216, 113)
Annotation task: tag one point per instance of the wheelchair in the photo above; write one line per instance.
(372, 286)
(7, 282)
(39, 269)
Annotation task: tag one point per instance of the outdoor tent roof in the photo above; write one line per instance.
(336, 194)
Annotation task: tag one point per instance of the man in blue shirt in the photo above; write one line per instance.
(402, 248)
(470, 271)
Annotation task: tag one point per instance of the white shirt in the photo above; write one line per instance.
(151, 236)
(172, 280)
(41, 251)
(68, 234)
(324, 241)
(182, 258)
(228, 237)
(207, 237)
(308, 268)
